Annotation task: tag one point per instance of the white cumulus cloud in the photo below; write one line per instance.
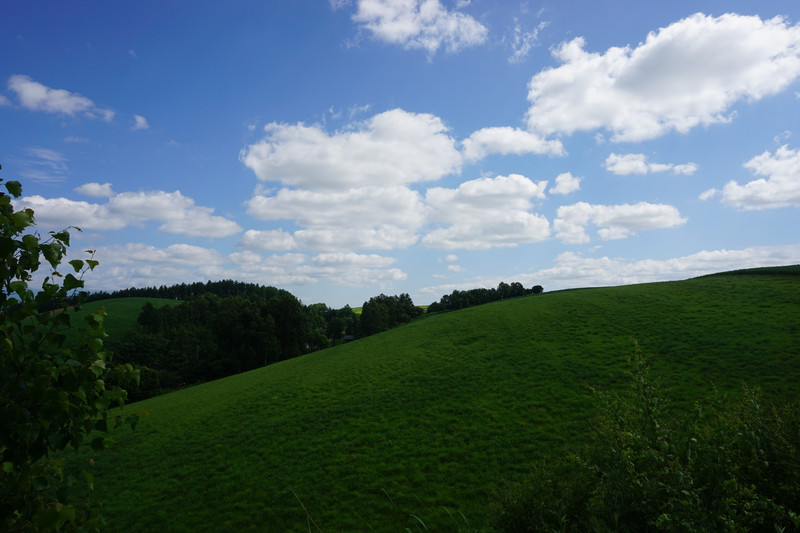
(95, 190)
(613, 221)
(566, 183)
(574, 270)
(779, 186)
(506, 140)
(686, 169)
(366, 217)
(363, 207)
(485, 213)
(392, 148)
(352, 259)
(347, 269)
(376, 238)
(267, 240)
(422, 24)
(687, 74)
(178, 214)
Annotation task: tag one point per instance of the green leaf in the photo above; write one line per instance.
(62, 236)
(30, 242)
(55, 397)
(52, 252)
(89, 480)
(71, 282)
(40, 483)
(14, 188)
(48, 519)
(19, 287)
(77, 264)
(22, 219)
(59, 339)
(99, 366)
(66, 514)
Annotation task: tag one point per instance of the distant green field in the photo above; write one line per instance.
(423, 423)
(121, 313)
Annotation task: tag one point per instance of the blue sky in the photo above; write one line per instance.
(340, 149)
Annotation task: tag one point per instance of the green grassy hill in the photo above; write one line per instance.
(423, 423)
(121, 313)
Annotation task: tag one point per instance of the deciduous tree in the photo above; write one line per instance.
(55, 377)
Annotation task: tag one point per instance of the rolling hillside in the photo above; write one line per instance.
(423, 423)
(121, 313)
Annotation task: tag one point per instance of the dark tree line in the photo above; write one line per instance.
(462, 299)
(223, 328)
(384, 312)
(188, 291)
(220, 329)
(210, 337)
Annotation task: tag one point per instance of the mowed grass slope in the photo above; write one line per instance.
(121, 313)
(431, 418)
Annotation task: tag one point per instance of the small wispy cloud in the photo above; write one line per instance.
(783, 137)
(37, 97)
(43, 165)
(140, 123)
(624, 164)
(522, 42)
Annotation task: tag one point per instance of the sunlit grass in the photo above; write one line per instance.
(424, 422)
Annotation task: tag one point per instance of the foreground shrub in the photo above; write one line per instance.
(55, 379)
(730, 465)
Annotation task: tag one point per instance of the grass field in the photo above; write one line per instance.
(123, 312)
(423, 423)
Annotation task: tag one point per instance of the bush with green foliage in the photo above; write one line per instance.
(732, 465)
(54, 379)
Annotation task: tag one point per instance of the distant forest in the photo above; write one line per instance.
(187, 291)
(225, 327)
(461, 299)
